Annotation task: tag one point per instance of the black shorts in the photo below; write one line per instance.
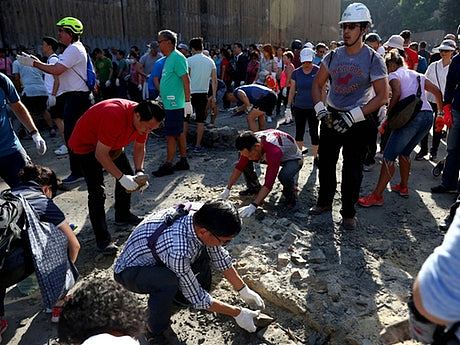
(267, 103)
(57, 110)
(35, 104)
(199, 102)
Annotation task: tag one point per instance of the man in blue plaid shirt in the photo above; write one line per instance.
(158, 260)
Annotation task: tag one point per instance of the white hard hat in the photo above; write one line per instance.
(306, 55)
(308, 45)
(356, 13)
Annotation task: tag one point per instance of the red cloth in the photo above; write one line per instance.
(411, 58)
(439, 124)
(448, 119)
(110, 122)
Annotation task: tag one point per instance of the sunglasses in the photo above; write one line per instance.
(349, 26)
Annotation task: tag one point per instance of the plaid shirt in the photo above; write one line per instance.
(178, 247)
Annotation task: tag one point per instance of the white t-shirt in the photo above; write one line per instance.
(409, 85)
(200, 67)
(439, 80)
(74, 58)
(108, 339)
(49, 78)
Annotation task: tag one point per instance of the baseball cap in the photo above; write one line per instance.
(306, 55)
(373, 37)
(182, 46)
(153, 45)
(447, 45)
(395, 41)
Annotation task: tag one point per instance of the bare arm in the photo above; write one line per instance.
(318, 84)
(74, 245)
(234, 278)
(233, 178)
(23, 115)
(224, 308)
(289, 71)
(395, 86)
(243, 98)
(156, 82)
(214, 84)
(103, 156)
(56, 69)
(55, 85)
(186, 81)
(430, 87)
(139, 155)
(292, 92)
(263, 192)
(380, 98)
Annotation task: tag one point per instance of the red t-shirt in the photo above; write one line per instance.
(110, 122)
(411, 57)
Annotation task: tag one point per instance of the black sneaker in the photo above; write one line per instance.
(110, 249)
(420, 156)
(163, 170)
(249, 191)
(182, 165)
(131, 219)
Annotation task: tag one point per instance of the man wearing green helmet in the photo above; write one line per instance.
(72, 92)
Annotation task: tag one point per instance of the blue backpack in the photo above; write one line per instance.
(90, 74)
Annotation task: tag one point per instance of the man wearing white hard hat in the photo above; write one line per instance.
(353, 70)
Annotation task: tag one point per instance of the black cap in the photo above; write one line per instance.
(52, 42)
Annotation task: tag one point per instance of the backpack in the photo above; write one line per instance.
(90, 80)
(11, 218)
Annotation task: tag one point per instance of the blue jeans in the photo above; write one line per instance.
(403, 140)
(452, 165)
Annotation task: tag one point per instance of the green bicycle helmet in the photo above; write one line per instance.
(71, 23)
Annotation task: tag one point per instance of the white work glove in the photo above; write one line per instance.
(247, 211)
(188, 108)
(252, 298)
(128, 183)
(107, 83)
(26, 59)
(117, 82)
(245, 319)
(225, 194)
(139, 87)
(347, 119)
(40, 144)
(146, 185)
(321, 111)
(284, 92)
(241, 82)
(288, 115)
(51, 102)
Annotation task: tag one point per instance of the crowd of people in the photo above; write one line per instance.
(351, 93)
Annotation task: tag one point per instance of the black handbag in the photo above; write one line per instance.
(405, 110)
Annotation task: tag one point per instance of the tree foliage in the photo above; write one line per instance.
(392, 16)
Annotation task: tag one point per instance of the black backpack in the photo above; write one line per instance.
(11, 222)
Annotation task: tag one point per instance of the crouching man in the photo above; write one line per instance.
(274, 148)
(169, 252)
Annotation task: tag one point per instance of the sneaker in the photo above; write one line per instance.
(3, 327)
(163, 170)
(433, 157)
(420, 156)
(198, 149)
(403, 191)
(71, 180)
(269, 119)
(110, 249)
(371, 200)
(130, 219)
(61, 151)
(249, 192)
(350, 223)
(182, 165)
(56, 314)
(317, 210)
(440, 189)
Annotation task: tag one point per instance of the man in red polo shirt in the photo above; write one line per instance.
(98, 141)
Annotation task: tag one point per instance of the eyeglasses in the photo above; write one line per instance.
(349, 26)
(221, 241)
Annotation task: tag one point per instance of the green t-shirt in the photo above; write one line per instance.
(171, 84)
(103, 67)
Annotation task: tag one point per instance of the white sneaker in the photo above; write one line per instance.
(62, 150)
(269, 119)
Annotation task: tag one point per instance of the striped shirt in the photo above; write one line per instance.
(178, 247)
